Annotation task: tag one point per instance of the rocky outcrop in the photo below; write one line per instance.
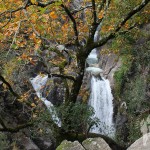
(67, 145)
(88, 144)
(141, 144)
(110, 64)
(27, 144)
(95, 144)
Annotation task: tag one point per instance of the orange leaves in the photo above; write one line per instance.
(53, 15)
(21, 43)
(64, 27)
(34, 18)
(100, 15)
(24, 56)
(36, 40)
(27, 58)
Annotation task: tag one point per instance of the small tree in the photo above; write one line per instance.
(77, 117)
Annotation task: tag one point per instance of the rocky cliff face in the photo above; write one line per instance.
(129, 77)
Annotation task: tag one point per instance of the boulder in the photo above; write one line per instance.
(27, 144)
(141, 144)
(67, 145)
(44, 143)
(95, 144)
(94, 71)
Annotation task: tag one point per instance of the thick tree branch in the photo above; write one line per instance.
(121, 24)
(94, 12)
(132, 13)
(14, 38)
(61, 76)
(73, 21)
(13, 130)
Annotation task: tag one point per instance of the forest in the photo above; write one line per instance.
(74, 74)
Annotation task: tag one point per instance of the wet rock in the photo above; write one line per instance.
(95, 144)
(94, 71)
(110, 64)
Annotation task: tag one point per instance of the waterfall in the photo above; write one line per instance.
(38, 84)
(101, 98)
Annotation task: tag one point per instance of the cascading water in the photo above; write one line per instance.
(38, 83)
(101, 98)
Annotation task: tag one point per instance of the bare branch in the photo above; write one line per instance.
(9, 86)
(73, 21)
(94, 12)
(33, 28)
(132, 13)
(14, 38)
(121, 24)
(27, 3)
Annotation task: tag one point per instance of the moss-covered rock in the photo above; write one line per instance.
(95, 144)
(67, 145)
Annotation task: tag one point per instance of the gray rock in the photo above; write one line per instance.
(141, 144)
(44, 143)
(27, 144)
(95, 144)
(110, 64)
(67, 145)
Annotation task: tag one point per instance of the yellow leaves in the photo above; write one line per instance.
(33, 105)
(53, 15)
(34, 2)
(24, 97)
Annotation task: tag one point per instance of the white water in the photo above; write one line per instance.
(101, 99)
(38, 84)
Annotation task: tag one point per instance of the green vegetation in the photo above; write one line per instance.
(121, 75)
(76, 117)
(3, 142)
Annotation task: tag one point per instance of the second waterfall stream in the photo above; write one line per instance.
(101, 98)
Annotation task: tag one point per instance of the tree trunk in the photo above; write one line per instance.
(76, 88)
(81, 58)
